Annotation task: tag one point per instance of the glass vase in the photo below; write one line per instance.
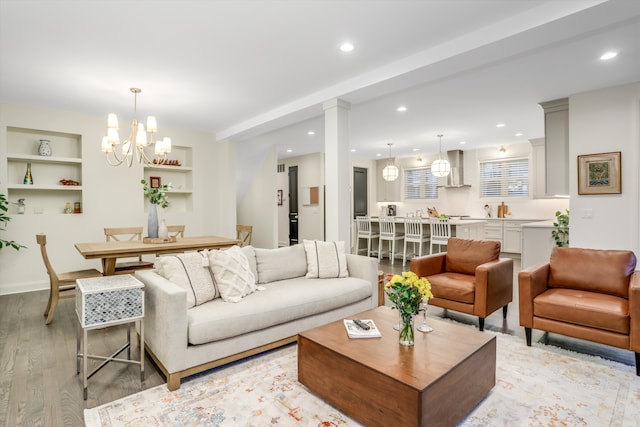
(407, 334)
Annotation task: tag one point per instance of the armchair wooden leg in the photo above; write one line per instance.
(504, 311)
(638, 364)
(481, 323)
(527, 333)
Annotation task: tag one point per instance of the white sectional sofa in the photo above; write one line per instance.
(185, 338)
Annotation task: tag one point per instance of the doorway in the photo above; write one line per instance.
(293, 205)
(360, 202)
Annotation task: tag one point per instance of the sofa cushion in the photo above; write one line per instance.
(464, 256)
(191, 272)
(325, 259)
(282, 263)
(232, 273)
(594, 270)
(591, 309)
(281, 302)
(250, 253)
(453, 287)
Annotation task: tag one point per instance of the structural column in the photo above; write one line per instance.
(336, 171)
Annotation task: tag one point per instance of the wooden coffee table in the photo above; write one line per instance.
(378, 382)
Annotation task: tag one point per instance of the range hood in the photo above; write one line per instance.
(455, 179)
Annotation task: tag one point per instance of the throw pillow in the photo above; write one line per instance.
(233, 274)
(191, 272)
(325, 259)
(282, 263)
(251, 256)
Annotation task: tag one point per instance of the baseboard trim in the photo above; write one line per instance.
(18, 288)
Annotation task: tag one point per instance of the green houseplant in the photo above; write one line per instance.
(4, 219)
(560, 232)
(157, 196)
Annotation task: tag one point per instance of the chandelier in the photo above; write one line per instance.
(440, 167)
(136, 142)
(390, 172)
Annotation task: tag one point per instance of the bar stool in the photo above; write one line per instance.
(440, 232)
(388, 232)
(413, 233)
(365, 231)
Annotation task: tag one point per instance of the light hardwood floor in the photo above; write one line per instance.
(38, 381)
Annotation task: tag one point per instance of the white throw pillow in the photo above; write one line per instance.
(279, 264)
(191, 272)
(233, 274)
(325, 259)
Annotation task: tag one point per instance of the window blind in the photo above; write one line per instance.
(420, 184)
(504, 178)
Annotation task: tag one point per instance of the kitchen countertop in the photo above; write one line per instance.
(540, 224)
(532, 220)
(400, 219)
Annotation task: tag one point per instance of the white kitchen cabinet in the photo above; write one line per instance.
(537, 243)
(387, 191)
(493, 230)
(512, 236)
(470, 231)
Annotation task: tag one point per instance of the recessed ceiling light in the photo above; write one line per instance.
(463, 142)
(311, 132)
(401, 109)
(378, 155)
(608, 55)
(289, 150)
(500, 125)
(416, 149)
(353, 150)
(346, 47)
(519, 134)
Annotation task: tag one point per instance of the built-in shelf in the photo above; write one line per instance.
(180, 178)
(46, 194)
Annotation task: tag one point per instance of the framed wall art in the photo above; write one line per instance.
(154, 182)
(599, 173)
(279, 197)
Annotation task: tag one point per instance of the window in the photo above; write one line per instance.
(504, 178)
(419, 183)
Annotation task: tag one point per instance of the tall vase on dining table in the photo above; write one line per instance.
(152, 225)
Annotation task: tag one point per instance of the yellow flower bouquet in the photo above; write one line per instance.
(406, 291)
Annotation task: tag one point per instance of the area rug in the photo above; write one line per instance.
(535, 386)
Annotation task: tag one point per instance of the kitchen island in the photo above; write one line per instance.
(463, 228)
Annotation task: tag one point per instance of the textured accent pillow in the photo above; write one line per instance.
(191, 272)
(233, 274)
(251, 256)
(325, 259)
(282, 263)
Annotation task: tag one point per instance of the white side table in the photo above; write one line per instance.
(108, 301)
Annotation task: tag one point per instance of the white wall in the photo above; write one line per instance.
(604, 121)
(258, 208)
(112, 196)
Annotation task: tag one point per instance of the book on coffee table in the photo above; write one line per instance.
(355, 331)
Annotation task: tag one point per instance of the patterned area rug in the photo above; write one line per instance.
(535, 386)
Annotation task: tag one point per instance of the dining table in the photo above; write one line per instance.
(109, 252)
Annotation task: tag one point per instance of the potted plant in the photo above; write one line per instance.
(560, 232)
(4, 219)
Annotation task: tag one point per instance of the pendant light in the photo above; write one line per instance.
(440, 167)
(390, 172)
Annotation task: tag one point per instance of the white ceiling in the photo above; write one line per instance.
(259, 71)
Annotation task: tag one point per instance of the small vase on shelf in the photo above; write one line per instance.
(44, 149)
(28, 179)
(152, 225)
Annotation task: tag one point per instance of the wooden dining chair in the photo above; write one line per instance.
(176, 231)
(120, 234)
(243, 233)
(61, 285)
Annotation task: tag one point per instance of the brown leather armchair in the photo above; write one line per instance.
(584, 293)
(470, 277)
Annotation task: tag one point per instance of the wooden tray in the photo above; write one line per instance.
(171, 239)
